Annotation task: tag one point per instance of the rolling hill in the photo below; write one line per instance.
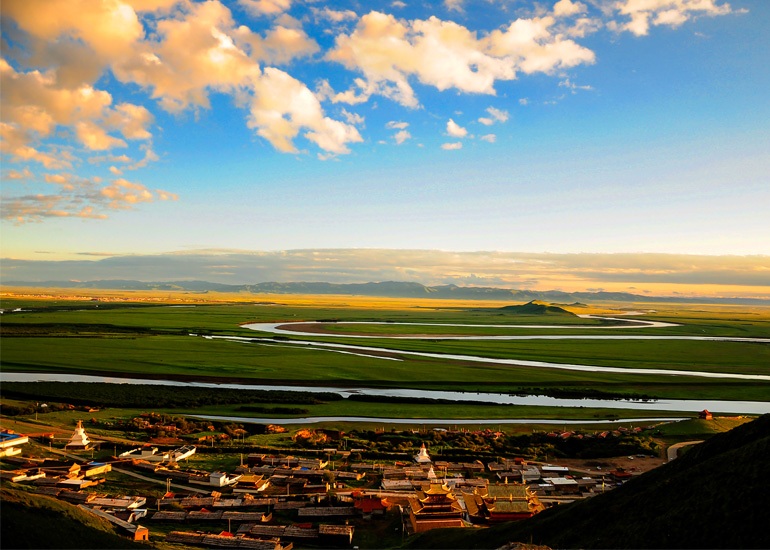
(536, 307)
(38, 521)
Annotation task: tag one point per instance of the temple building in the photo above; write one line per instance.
(498, 503)
(433, 507)
(422, 457)
(79, 440)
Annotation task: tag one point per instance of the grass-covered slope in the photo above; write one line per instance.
(715, 496)
(536, 308)
(28, 520)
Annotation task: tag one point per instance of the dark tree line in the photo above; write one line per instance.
(153, 396)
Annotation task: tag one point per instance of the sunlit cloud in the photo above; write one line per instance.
(662, 274)
(444, 54)
(25, 174)
(638, 16)
(80, 198)
(266, 7)
(455, 130)
(86, 84)
(567, 8)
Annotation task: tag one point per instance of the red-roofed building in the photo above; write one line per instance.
(369, 505)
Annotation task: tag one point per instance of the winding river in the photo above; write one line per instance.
(657, 405)
(294, 329)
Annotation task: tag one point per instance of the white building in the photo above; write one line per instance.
(10, 443)
(79, 440)
(422, 457)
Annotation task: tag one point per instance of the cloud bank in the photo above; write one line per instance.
(638, 273)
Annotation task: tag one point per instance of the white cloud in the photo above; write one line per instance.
(454, 5)
(568, 8)
(452, 146)
(401, 136)
(265, 7)
(131, 120)
(489, 138)
(673, 13)
(281, 44)
(534, 48)
(444, 54)
(455, 130)
(496, 115)
(282, 106)
(149, 156)
(395, 124)
(353, 118)
(35, 104)
(567, 83)
(194, 51)
(335, 16)
(583, 26)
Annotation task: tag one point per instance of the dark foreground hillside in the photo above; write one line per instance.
(715, 496)
(37, 521)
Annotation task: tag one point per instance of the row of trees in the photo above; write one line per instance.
(149, 396)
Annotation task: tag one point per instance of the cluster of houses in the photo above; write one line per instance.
(621, 431)
(274, 502)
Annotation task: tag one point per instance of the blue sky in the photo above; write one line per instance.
(136, 127)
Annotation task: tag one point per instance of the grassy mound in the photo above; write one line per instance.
(536, 307)
(39, 521)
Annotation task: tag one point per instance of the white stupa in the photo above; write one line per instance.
(422, 457)
(79, 440)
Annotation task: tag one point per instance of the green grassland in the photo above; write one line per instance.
(190, 358)
(153, 341)
(227, 318)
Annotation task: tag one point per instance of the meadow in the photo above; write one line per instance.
(158, 336)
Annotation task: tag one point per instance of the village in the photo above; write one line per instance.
(324, 496)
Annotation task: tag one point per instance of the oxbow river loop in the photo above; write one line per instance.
(286, 329)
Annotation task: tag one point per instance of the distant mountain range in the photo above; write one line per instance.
(395, 289)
